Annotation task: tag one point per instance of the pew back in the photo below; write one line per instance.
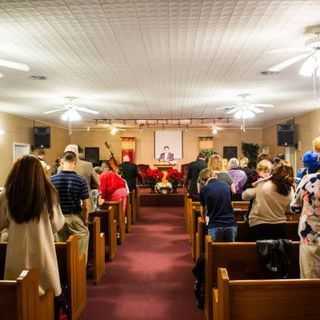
(241, 260)
(266, 299)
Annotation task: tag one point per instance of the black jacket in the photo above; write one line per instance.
(129, 171)
(193, 173)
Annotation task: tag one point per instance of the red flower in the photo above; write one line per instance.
(154, 175)
(175, 176)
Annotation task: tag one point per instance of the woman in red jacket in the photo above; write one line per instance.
(113, 187)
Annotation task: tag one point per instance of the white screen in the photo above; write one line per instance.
(170, 138)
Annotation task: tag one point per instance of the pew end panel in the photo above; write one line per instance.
(128, 215)
(98, 249)
(72, 269)
(120, 218)
(20, 298)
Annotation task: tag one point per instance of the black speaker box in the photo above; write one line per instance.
(286, 134)
(92, 154)
(42, 137)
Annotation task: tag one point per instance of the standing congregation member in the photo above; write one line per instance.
(193, 173)
(271, 201)
(129, 171)
(74, 200)
(251, 173)
(42, 157)
(307, 203)
(238, 177)
(84, 168)
(215, 196)
(113, 187)
(264, 168)
(29, 208)
(216, 164)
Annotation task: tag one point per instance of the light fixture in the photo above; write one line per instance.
(114, 130)
(244, 114)
(14, 65)
(1, 75)
(71, 115)
(2, 132)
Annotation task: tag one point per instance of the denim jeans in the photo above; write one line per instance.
(227, 234)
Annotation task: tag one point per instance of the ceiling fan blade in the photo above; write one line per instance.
(256, 110)
(264, 105)
(14, 65)
(290, 50)
(87, 110)
(287, 63)
(234, 110)
(55, 110)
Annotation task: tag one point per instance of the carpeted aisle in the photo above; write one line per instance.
(151, 275)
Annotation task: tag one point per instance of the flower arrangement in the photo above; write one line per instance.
(153, 176)
(175, 177)
(163, 187)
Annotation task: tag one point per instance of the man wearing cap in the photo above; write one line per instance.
(84, 168)
(193, 173)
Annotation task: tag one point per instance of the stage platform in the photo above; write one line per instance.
(149, 199)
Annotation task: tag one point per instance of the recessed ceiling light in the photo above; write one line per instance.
(269, 73)
(38, 77)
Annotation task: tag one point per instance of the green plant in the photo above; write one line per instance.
(207, 153)
(250, 150)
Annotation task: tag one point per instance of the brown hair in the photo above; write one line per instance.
(215, 163)
(282, 177)
(28, 190)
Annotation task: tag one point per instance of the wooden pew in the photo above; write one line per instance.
(241, 260)
(294, 299)
(119, 215)
(72, 269)
(188, 214)
(20, 300)
(128, 215)
(108, 225)
(134, 209)
(97, 249)
(195, 213)
(200, 237)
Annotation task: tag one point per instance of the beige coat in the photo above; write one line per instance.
(268, 206)
(31, 246)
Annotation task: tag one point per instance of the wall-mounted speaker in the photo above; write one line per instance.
(42, 137)
(287, 135)
(92, 154)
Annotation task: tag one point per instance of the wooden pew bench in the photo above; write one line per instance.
(241, 260)
(128, 215)
(72, 270)
(119, 215)
(134, 207)
(97, 249)
(294, 299)
(20, 300)
(108, 225)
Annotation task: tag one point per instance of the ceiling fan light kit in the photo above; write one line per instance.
(71, 115)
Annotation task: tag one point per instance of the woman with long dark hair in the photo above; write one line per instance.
(30, 210)
(271, 201)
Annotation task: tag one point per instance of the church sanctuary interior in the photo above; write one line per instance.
(160, 159)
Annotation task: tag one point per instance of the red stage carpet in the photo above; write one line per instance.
(151, 276)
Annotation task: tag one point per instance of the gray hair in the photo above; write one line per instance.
(233, 163)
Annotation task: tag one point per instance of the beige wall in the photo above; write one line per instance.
(145, 142)
(308, 126)
(18, 129)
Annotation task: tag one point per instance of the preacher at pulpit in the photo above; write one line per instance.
(166, 155)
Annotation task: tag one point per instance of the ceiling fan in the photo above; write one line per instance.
(13, 65)
(215, 129)
(71, 112)
(309, 53)
(244, 109)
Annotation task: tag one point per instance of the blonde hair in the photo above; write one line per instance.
(233, 163)
(244, 161)
(264, 166)
(316, 144)
(205, 175)
(215, 163)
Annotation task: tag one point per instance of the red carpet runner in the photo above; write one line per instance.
(151, 275)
